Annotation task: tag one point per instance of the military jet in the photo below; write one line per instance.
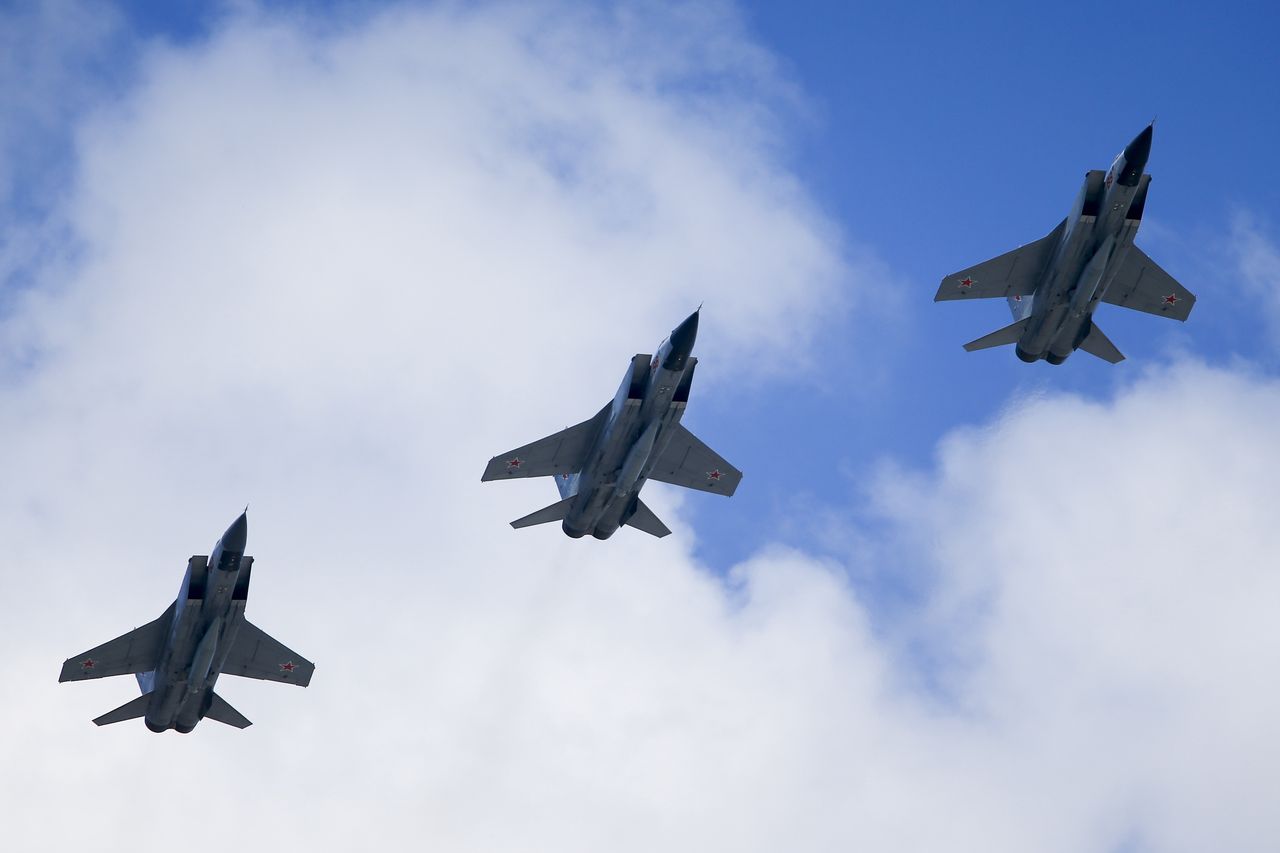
(1054, 284)
(601, 464)
(178, 657)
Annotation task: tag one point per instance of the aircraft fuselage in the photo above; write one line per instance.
(1098, 233)
(206, 616)
(650, 401)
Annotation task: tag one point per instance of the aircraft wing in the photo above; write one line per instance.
(1142, 285)
(256, 654)
(565, 452)
(137, 651)
(1015, 273)
(688, 462)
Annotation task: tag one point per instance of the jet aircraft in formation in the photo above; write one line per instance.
(601, 464)
(178, 657)
(1053, 287)
(1054, 284)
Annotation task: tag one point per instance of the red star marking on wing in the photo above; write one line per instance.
(1171, 299)
(714, 475)
(288, 666)
(1017, 299)
(88, 663)
(514, 463)
(966, 282)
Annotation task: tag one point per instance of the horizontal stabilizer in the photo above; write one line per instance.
(1096, 343)
(1008, 335)
(644, 519)
(556, 512)
(136, 651)
(222, 712)
(130, 710)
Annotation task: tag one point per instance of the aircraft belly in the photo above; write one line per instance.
(166, 701)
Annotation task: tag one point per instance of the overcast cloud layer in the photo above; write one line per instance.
(331, 271)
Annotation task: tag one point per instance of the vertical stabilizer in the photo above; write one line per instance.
(1020, 306)
(568, 484)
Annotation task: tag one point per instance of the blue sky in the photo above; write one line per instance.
(939, 135)
(327, 263)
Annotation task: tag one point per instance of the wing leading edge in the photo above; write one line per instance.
(256, 654)
(1015, 273)
(136, 651)
(563, 452)
(1142, 285)
(688, 462)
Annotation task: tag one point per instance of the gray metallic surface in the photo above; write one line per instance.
(179, 657)
(1054, 285)
(602, 464)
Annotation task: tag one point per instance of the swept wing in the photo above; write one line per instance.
(137, 651)
(256, 654)
(688, 462)
(561, 453)
(1142, 285)
(1015, 273)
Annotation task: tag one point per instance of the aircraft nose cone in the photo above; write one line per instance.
(1137, 152)
(237, 536)
(682, 338)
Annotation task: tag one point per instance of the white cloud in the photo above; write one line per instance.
(332, 271)
(1258, 266)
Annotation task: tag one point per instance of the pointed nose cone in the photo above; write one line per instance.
(237, 536)
(682, 338)
(1135, 157)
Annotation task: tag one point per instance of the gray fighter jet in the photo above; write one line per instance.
(601, 464)
(178, 657)
(1054, 284)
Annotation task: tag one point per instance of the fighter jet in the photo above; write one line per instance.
(601, 464)
(178, 657)
(1054, 284)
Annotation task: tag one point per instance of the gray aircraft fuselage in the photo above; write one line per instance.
(638, 426)
(1098, 233)
(206, 616)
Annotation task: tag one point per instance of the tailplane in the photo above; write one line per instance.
(222, 712)
(1097, 344)
(556, 512)
(130, 710)
(644, 519)
(1010, 334)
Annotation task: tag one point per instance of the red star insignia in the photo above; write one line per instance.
(1171, 299)
(1017, 299)
(88, 663)
(514, 463)
(288, 666)
(714, 475)
(966, 282)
